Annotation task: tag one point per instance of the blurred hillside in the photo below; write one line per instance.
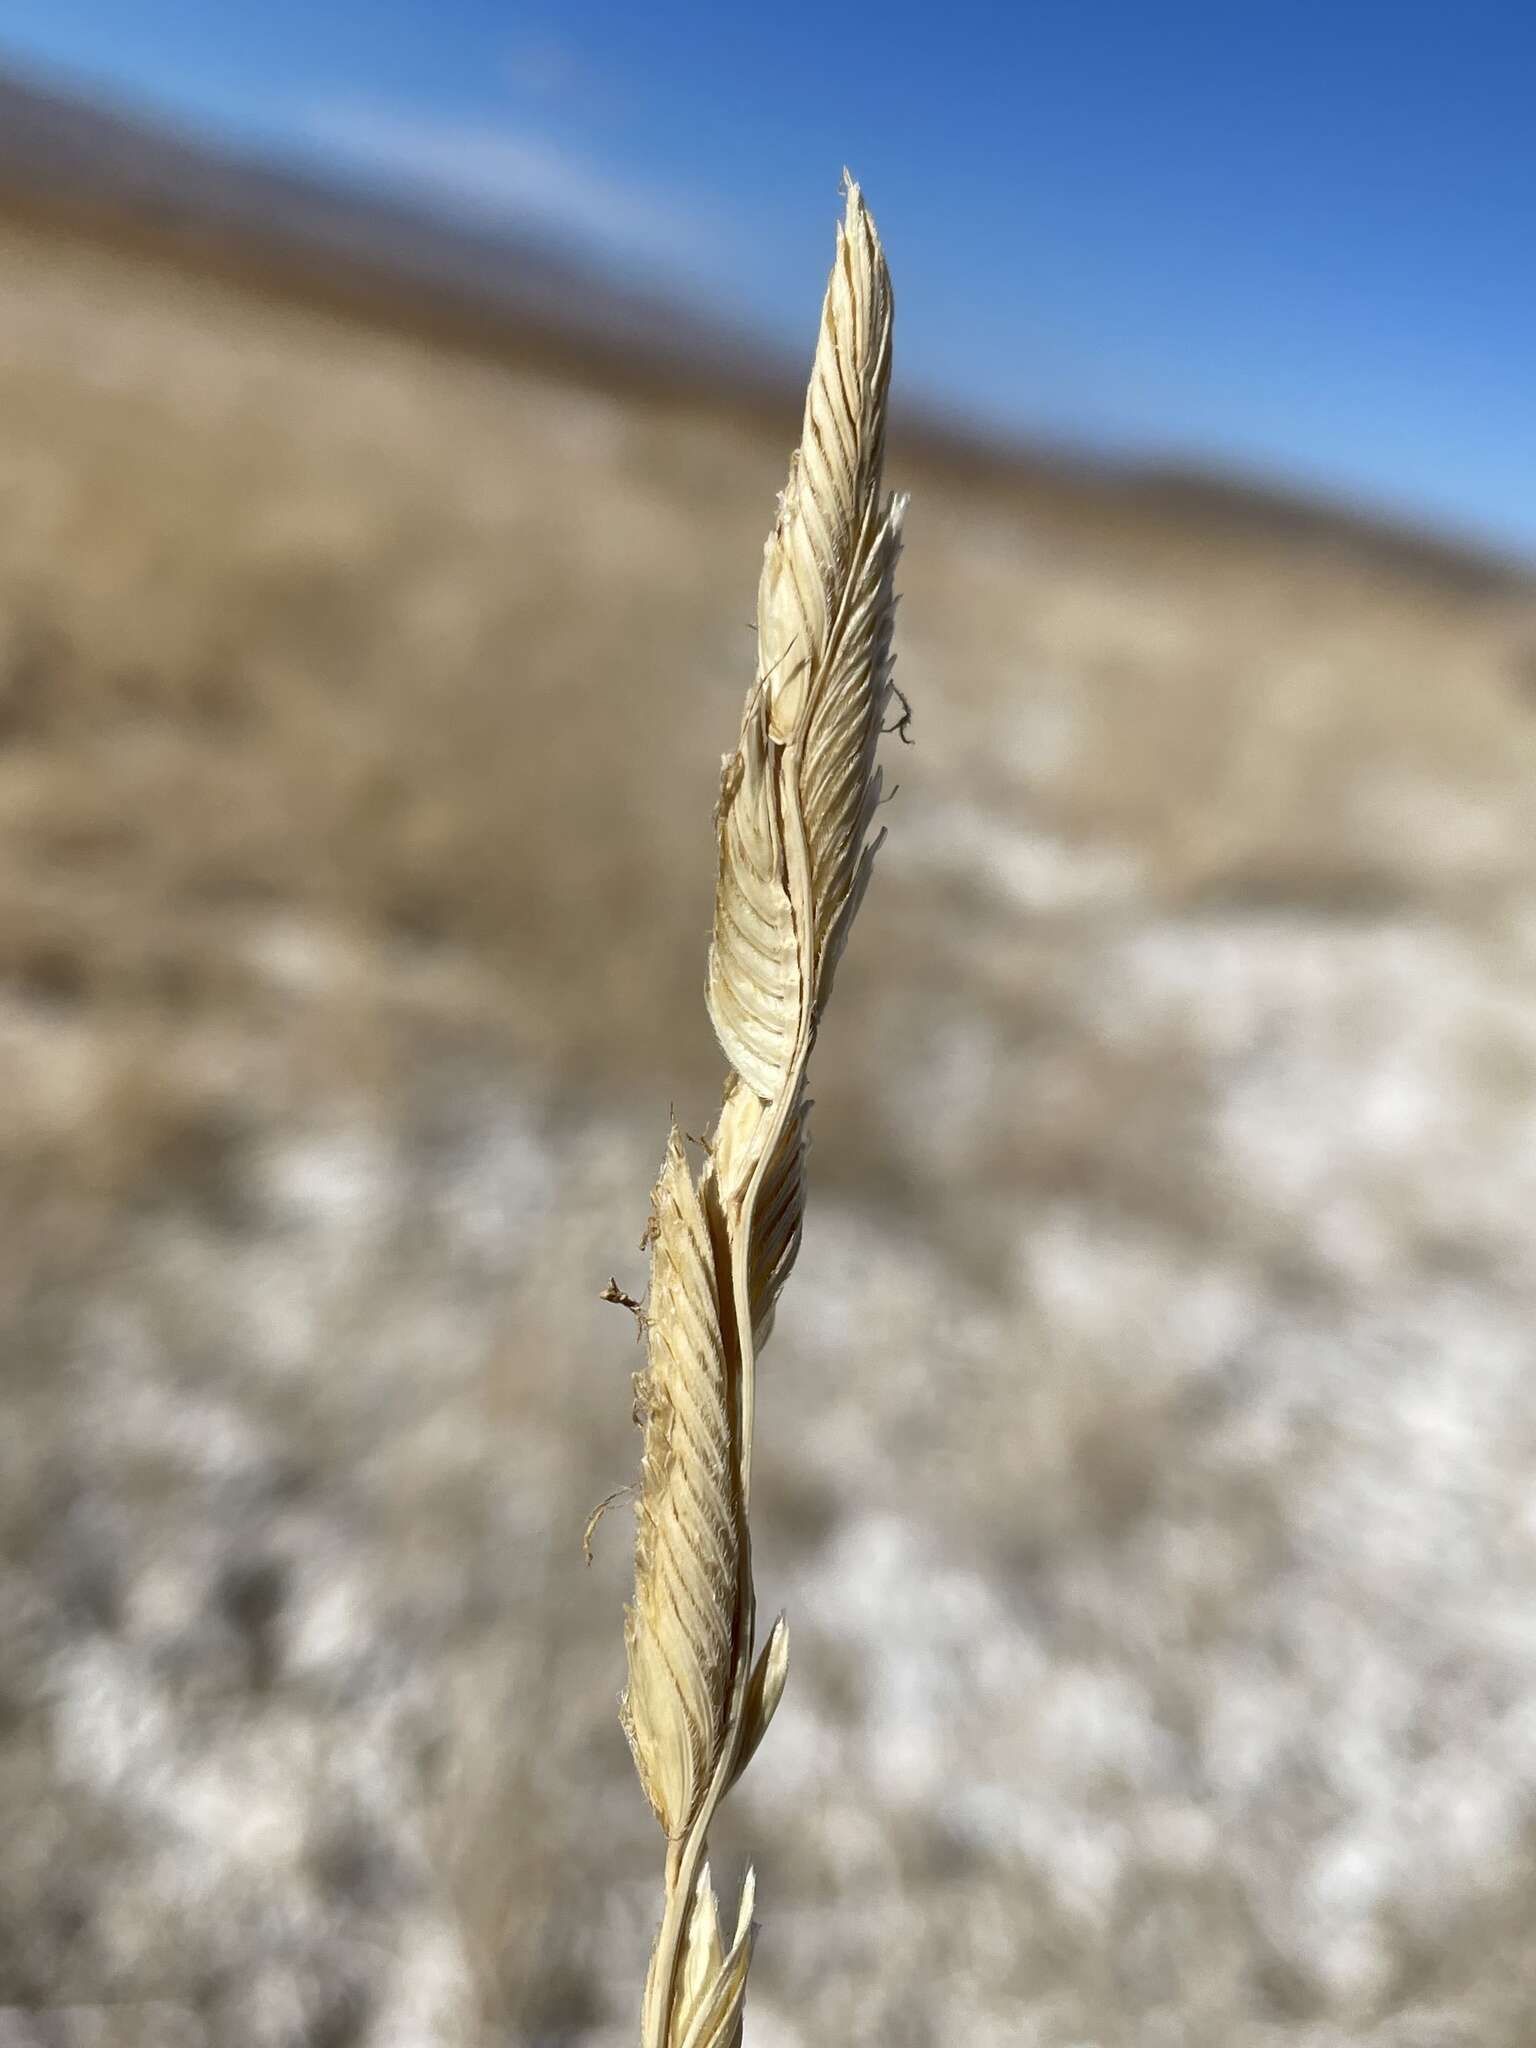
(1147, 1431)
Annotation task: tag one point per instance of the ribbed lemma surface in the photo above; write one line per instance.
(680, 1631)
(753, 990)
(825, 521)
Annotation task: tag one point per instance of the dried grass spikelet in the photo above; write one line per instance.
(799, 794)
(680, 1632)
(797, 802)
(825, 598)
(711, 1989)
(827, 507)
(798, 797)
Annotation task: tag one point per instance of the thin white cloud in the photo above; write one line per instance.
(509, 175)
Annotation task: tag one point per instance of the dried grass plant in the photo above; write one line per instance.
(797, 802)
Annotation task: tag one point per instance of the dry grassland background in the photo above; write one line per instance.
(1146, 1445)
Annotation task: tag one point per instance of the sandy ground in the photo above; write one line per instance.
(1149, 1425)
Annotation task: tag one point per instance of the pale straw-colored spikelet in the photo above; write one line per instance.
(797, 799)
(707, 2010)
(681, 1630)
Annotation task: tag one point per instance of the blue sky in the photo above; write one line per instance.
(1292, 240)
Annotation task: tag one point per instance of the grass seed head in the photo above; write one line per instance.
(793, 818)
